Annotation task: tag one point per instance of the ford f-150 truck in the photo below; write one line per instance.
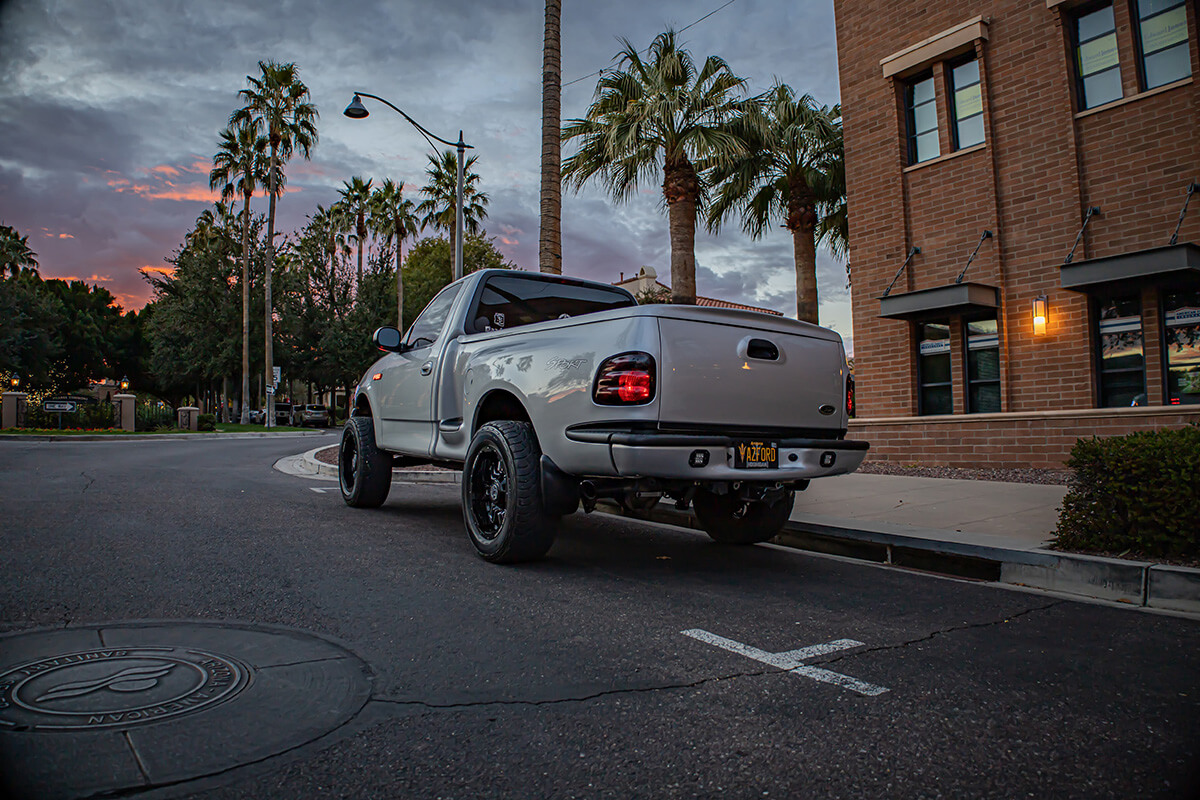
(551, 392)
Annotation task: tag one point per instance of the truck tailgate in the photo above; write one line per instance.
(774, 374)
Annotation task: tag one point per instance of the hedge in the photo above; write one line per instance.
(1138, 493)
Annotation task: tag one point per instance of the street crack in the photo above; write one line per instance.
(88, 485)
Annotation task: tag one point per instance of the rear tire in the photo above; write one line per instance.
(502, 494)
(364, 471)
(716, 514)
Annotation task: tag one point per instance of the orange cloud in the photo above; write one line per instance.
(100, 278)
(196, 192)
(160, 270)
(508, 241)
(163, 169)
(65, 236)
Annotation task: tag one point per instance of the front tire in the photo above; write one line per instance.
(502, 494)
(364, 471)
(718, 516)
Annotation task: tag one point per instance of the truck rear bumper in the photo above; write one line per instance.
(709, 457)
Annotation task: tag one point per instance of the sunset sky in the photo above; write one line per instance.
(110, 112)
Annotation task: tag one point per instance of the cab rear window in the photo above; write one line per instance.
(509, 301)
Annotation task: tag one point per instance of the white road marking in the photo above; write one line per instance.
(323, 489)
(792, 660)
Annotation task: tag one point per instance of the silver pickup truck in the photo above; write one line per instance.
(551, 393)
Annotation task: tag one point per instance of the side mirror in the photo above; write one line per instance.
(387, 338)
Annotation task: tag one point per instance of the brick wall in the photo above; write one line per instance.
(1041, 165)
(1039, 439)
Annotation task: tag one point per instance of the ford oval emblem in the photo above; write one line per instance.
(827, 409)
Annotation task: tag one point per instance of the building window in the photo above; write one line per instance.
(966, 99)
(983, 367)
(1097, 66)
(1122, 362)
(922, 120)
(1181, 320)
(1163, 52)
(933, 369)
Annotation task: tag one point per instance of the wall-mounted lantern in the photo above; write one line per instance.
(125, 384)
(1041, 307)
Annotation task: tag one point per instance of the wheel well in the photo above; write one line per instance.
(362, 408)
(497, 405)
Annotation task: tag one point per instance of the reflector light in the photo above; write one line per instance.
(377, 376)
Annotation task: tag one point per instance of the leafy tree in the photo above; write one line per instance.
(30, 335)
(550, 238)
(654, 114)
(89, 320)
(394, 218)
(239, 168)
(440, 205)
(356, 201)
(429, 267)
(280, 100)
(790, 171)
(15, 254)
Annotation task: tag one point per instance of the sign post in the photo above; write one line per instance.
(61, 407)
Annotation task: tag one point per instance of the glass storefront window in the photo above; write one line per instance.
(1122, 361)
(1181, 339)
(933, 369)
(983, 367)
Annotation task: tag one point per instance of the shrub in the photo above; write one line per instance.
(1137, 493)
(206, 422)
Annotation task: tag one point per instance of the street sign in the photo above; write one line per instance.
(278, 374)
(61, 406)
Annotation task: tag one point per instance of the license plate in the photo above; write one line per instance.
(756, 455)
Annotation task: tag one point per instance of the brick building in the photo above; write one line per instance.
(1016, 174)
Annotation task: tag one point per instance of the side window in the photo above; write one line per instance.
(983, 366)
(921, 105)
(966, 104)
(1122, 362)
(428, 327)
(1163, 53)
(1097, 67)
(1181, 319)
(933, 369)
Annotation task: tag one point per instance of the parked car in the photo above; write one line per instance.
(257, 415)
(283, 413)
(552, 392)
(312, 414)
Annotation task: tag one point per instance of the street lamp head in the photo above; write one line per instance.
(356, 110)
(15, 380)
(124, 384)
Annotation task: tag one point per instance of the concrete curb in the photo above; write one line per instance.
(1136, 583)
(142, 437)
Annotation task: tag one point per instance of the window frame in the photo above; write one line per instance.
(1074, 15)
(1136, 21)
(921, 383)
(910, 116)
(1164, 348)
(1098, 343)
(967, 382)
(951, 95)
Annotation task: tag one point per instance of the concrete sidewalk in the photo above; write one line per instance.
(985, 530)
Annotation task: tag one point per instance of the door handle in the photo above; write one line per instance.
(427, 368)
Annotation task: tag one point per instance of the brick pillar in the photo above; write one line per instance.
(14, 409)
(125, 413)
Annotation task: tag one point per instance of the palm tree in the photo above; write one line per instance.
(660, 113)
(280, 101)
(439, 205)
(15, 255)
(791, 171)
(550, 240)
(239, 168)
(393, 217)
(356, 200)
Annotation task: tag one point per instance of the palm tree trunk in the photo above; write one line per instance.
(245, 415)
(550, 241)
(269, 345)
(681, 188)
(360, 230)
(805, 248)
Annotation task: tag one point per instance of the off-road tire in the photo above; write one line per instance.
(760, 523)
(502, 494)
(364, 471)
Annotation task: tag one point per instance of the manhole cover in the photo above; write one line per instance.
(133, 705)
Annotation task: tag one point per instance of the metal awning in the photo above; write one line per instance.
(1156, 264)
(940, 303)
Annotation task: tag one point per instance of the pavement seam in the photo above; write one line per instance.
(136, 757)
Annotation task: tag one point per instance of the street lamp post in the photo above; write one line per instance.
(356, 110)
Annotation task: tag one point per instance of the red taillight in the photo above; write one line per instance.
(849, 395)
(627, 379)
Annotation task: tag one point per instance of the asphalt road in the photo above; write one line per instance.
(572, 677)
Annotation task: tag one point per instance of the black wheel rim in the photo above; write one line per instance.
(489, 492)
(348, 463)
